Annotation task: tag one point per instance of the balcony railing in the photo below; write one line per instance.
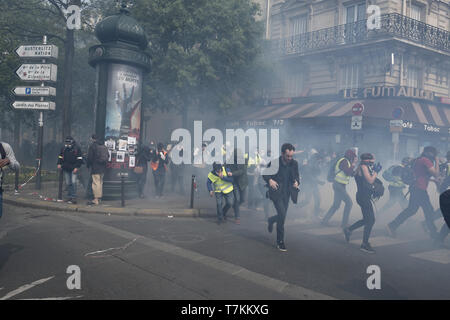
(392, 26)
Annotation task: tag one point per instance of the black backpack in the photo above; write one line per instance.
(101, 154)
(377, 189)
(408, 176)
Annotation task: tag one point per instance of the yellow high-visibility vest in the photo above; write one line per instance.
(340, 175)
(397, 183)
(219, 184)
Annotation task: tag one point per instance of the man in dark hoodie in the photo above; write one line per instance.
(96, 160)
(70, 160)
(343, 171)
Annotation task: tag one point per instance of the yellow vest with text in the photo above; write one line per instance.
(340, 175)
(219, 184)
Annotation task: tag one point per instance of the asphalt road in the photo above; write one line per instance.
(194, 258)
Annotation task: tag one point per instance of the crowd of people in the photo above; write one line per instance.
(233, 183)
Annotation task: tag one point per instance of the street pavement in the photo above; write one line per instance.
(130, 257)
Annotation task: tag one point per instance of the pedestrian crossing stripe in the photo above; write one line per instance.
(381, 241)
(439, 256)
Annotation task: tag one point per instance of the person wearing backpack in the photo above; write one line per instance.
(365, 177)
(393, 176)
(423, 169)
(342, 171)
(70, 160)
(7, 158)
(98, 156)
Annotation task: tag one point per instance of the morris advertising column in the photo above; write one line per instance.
(121, 62)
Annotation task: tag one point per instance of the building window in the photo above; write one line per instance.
(298, 25)
(416, 12)
(293, 84)
(412, 76)
(355, 12)
(349, 76)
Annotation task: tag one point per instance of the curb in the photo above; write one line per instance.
(160, 212)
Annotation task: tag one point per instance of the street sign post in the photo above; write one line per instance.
(34, 91)
(37, 51)
(37, 72)
(34, 105)
(356, 123)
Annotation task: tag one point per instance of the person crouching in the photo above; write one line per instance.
(220, 184)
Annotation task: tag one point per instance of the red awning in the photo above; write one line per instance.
(415, 111)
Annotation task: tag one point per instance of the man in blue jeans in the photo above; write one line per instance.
(7, 158)
(70, 160)
(220, 184)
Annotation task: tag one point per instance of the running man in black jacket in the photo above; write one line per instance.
(282, 186)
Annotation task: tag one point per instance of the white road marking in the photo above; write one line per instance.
(439, 256)
(110, 249)
(25, 288)
(323, 231)
(291, 290)
(381, 241)
(54, 298)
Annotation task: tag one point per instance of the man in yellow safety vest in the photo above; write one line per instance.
(220, 184)
(343, 171)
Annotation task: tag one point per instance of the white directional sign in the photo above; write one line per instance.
(37, 72)
(34, 105)
(35, 91)
(37, 51)
(356, 123)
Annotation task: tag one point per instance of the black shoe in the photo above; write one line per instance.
(270, 226)
(347, 234)
(72, 201)
(281, 247)
(366, 247)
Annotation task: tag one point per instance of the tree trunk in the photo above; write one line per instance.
(67, 84)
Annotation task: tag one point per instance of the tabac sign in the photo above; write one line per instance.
(387, 92)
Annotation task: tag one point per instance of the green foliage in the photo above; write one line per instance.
(204, 52)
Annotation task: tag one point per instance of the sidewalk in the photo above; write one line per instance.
(171, 205)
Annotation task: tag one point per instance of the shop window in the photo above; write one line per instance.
(350, 76)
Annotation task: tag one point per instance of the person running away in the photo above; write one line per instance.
(424, 167)
(365, 176)
(343, 171)
(221, 185)
(283, 185)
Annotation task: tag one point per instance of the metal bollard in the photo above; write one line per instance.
(60, 185)
(122, 190)
(192, 191)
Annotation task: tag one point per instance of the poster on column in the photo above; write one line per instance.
(123, 102)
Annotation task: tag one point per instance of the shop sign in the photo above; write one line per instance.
(387, 92)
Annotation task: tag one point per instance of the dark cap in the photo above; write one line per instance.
(367, 156)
